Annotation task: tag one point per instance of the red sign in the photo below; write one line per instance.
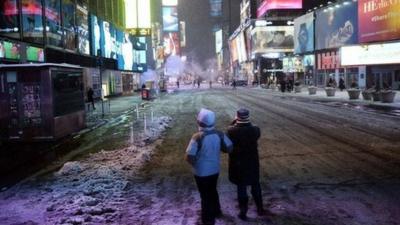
(328, 60)
(378, 20)
(278, 4)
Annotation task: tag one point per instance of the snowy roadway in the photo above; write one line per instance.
(320, 165)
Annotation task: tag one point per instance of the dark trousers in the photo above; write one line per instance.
(210, 206)
(255, 192)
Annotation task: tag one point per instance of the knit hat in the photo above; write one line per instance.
(206, 118)
(242, 116)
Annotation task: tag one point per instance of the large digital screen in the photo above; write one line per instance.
(10, 50)
(108, 48)
(378, 21)
(32, 21)
(96, 26)
(336, 26)
(170, 19)
(125, 54)
(241, 47)
(278, 4)
(53, 22)
(9, 25)
(373, 54)
(83, 29)
(34, 54)
(215, 7)
(169, 2)
(272, 39)
(304, 33)
(218, 41)
(68, 7)
(171, 44)
(233, 50)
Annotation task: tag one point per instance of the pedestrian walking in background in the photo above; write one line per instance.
(198, 83)
(341, 84)
(283, 85)
(203, 153)
(90, 97)
(234, 84)
(244, 168)
(177, 83)
(210, 84)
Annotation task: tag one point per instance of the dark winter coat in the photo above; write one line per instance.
(243, 161)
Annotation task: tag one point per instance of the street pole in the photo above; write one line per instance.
(100, 63)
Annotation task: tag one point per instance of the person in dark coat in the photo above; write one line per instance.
(341, 84)
(244, 169)
(90, 97)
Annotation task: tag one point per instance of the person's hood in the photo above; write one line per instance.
(206, 118)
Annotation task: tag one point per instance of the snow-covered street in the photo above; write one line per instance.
(321, 164)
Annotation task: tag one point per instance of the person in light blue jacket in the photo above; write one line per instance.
(203, 154)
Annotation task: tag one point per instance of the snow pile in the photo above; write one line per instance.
(91, 190)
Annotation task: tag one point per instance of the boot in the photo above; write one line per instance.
(243, 209)
(259, 203)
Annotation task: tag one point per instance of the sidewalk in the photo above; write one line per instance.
(341, 96)
(113, 106)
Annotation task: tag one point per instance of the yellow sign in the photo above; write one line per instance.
(139, 31)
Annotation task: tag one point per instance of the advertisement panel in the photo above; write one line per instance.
(373, 54)
(10, 50)
(272, 39)
(218, 41)
(96, 25)
(170, 19)
(278, 4)
(241, 47)
(336, 26)
(83, 29)
(34, 54)
(378, 20)
(292, 65)
(304, 33)
(32, 21)
(109, 46)
(53, 22)
(169, 2)
(9, 25)
(125, 52)
(68, 7)
(215, 8)
(138, 17)
(171, 44)
(233, 50)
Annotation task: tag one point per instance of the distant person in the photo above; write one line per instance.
(283, 85)
(203, 153)
(244, 168)
(210, 84)
(177, 83)
(198, 83)
(90, 97)
(354, 84)
(234, 84)
(143, 86)
(331, 83)
(341, 84)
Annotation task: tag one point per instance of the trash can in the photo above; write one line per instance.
(145, 94)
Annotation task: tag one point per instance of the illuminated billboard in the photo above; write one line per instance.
(378, 22)
(171, 44)
(272, 39)
(10, 50)
(34, 54)
(215, 8)
(218, 41)
(96, 26)
(9, 18)
(83, 29)
(336, 26)
(169, 2)
(138, 17)
(32, 21)
(304, 33)
(278, 4)
(373, 54)
(170, 19)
